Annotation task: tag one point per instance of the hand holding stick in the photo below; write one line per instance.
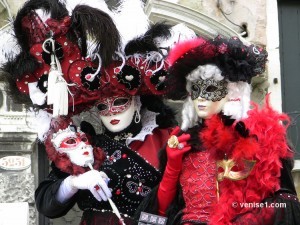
(112, 204)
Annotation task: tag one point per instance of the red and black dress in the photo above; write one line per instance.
(132, 171)
(260, 138)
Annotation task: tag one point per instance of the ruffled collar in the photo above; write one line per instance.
(136, 131)
(148, 119)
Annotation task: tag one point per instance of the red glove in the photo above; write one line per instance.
(176, 148)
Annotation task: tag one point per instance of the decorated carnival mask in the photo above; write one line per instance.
(116, 113)
(209, 96)
(230, 169)
(75, 144)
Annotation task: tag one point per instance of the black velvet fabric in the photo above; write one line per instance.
(45, 200)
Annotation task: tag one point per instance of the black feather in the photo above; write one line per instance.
(100, 27)
(87, 128)
(14, 69)
(241, 128)
(12, 90)
(57, 10)
(146, 42)
(21, 64)
(166, 117)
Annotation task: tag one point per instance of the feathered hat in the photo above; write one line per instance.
(51, 68)
(237, 61)
(142, 68)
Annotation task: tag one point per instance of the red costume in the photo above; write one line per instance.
(198, 183)
(238, 166)
(266, 145)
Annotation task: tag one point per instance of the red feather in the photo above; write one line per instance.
(266, 145)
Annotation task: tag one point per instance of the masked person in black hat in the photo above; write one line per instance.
(234, 156)
(53, 73)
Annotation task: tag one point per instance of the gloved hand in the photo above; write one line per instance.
(92, 180)
(177, 148)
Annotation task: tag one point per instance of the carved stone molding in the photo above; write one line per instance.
(16, 187)
(161, 10)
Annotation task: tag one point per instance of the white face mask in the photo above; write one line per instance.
(82, 155)
(116, 122)
(75, 145)
(207, 108)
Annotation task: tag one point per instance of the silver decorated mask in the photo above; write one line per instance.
(209, 89)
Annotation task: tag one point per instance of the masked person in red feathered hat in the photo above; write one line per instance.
(136, 126)
(236, 165)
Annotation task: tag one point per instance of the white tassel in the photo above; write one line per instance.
(52, 79)
(57, 89)
(61, 103)
(57, 86)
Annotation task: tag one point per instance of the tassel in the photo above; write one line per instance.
(61, 105)
(57, 94)
(52, 79)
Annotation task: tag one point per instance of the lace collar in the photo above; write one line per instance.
(148, 119)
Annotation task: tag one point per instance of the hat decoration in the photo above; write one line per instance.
(143, 68)
(237, 61)
(54, 46)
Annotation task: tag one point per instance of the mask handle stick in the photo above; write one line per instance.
(112, 204)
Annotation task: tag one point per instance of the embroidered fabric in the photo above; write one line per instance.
(149, 124)
(198, 182)
(132, 178)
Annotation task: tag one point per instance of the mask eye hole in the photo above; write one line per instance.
(84, 139)
(235, 169)
(120, 101)
(220, 170)
(101, 107)
(194, 87)
(71, 141)
(211, 88)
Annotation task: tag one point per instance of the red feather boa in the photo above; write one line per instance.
(267, 145)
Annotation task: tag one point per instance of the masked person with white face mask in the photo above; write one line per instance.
(132, 138)
(136, 125)
(234, 155)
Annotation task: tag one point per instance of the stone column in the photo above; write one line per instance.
(17, 138)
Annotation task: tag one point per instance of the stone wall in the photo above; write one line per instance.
(251, 14)
(17, 138)
(18, 186)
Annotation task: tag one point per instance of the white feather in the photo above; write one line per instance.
(131, 19)
(8, 44)
(98, 4)
(42, 120)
